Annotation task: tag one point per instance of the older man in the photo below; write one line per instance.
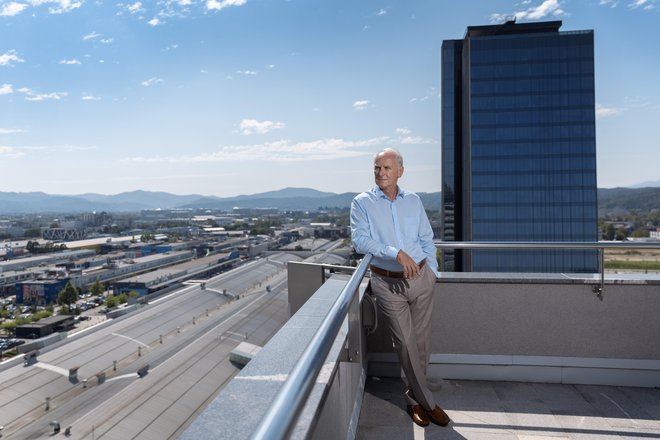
(391, 224)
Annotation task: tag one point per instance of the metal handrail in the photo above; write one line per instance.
(289, 401)
(599, 245)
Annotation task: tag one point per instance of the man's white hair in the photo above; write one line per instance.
(396, 153)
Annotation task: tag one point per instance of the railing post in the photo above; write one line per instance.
(598, 290)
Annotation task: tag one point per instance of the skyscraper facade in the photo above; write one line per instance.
(519, 146)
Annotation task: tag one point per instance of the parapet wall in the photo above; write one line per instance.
(547, 329)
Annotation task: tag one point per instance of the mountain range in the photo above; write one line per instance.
(285, 199)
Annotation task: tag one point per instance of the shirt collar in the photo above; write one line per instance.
(380, 194)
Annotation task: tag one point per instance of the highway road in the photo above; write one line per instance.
(185, 338)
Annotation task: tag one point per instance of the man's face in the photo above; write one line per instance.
(387, 171)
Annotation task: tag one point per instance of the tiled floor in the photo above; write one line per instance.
(517, 411)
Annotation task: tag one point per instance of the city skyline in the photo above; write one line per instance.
(239, 97)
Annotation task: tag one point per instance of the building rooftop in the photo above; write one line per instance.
(511, 27)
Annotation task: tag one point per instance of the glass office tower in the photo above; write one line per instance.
(519, 146)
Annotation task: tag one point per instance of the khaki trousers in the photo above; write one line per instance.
(406, 306)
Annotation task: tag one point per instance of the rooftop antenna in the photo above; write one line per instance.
(511, 19)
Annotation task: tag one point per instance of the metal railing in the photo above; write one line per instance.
(600, 246)
(289, 401)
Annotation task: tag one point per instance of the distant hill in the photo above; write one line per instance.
(652, 183)
(610, 200)
(626, 199)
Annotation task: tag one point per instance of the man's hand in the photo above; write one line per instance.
(410, 268)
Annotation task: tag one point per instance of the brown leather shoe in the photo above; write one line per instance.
(418, 414)
(438, 416)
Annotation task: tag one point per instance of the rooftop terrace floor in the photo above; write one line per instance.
(512, 410)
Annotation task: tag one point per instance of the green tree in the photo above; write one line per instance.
(608, 231)
(640, 232)
(621, 234)
(96, 289)
(68, 295)
(111, 301)
(9, 327)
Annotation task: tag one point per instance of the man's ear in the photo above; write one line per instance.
(400, 172)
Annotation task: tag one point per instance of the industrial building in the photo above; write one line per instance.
(45, 327)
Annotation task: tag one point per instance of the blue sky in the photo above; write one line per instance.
(228, 97)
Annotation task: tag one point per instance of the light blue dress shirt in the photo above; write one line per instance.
(382, 227)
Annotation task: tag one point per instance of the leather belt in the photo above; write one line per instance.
(389, 274)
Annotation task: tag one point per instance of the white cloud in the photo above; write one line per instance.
(90, 98)
(107, 40)
(603, 111)
(54, 96)
(647, 5)
(546, 8)
(32, 96)
(216, 5)
(10, 57)
(251, 126)
(406, 138)
(246, 72)
(74, 61)
(360, 105)
(381, 12)
(55, 6)
(6, 89)
(152, 81)
(278, 151)
(154, 22)
(91, 36)
(11, 130)
(75, 148)
(10, 152)
(12, 8)
(58, 6)
(422, 99)
(636, 102)
(415, 140)
(637, 3)
(135, 8)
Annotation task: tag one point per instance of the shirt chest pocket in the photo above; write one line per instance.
(411, 228)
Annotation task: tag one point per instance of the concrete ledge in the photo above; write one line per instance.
(544, 369)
